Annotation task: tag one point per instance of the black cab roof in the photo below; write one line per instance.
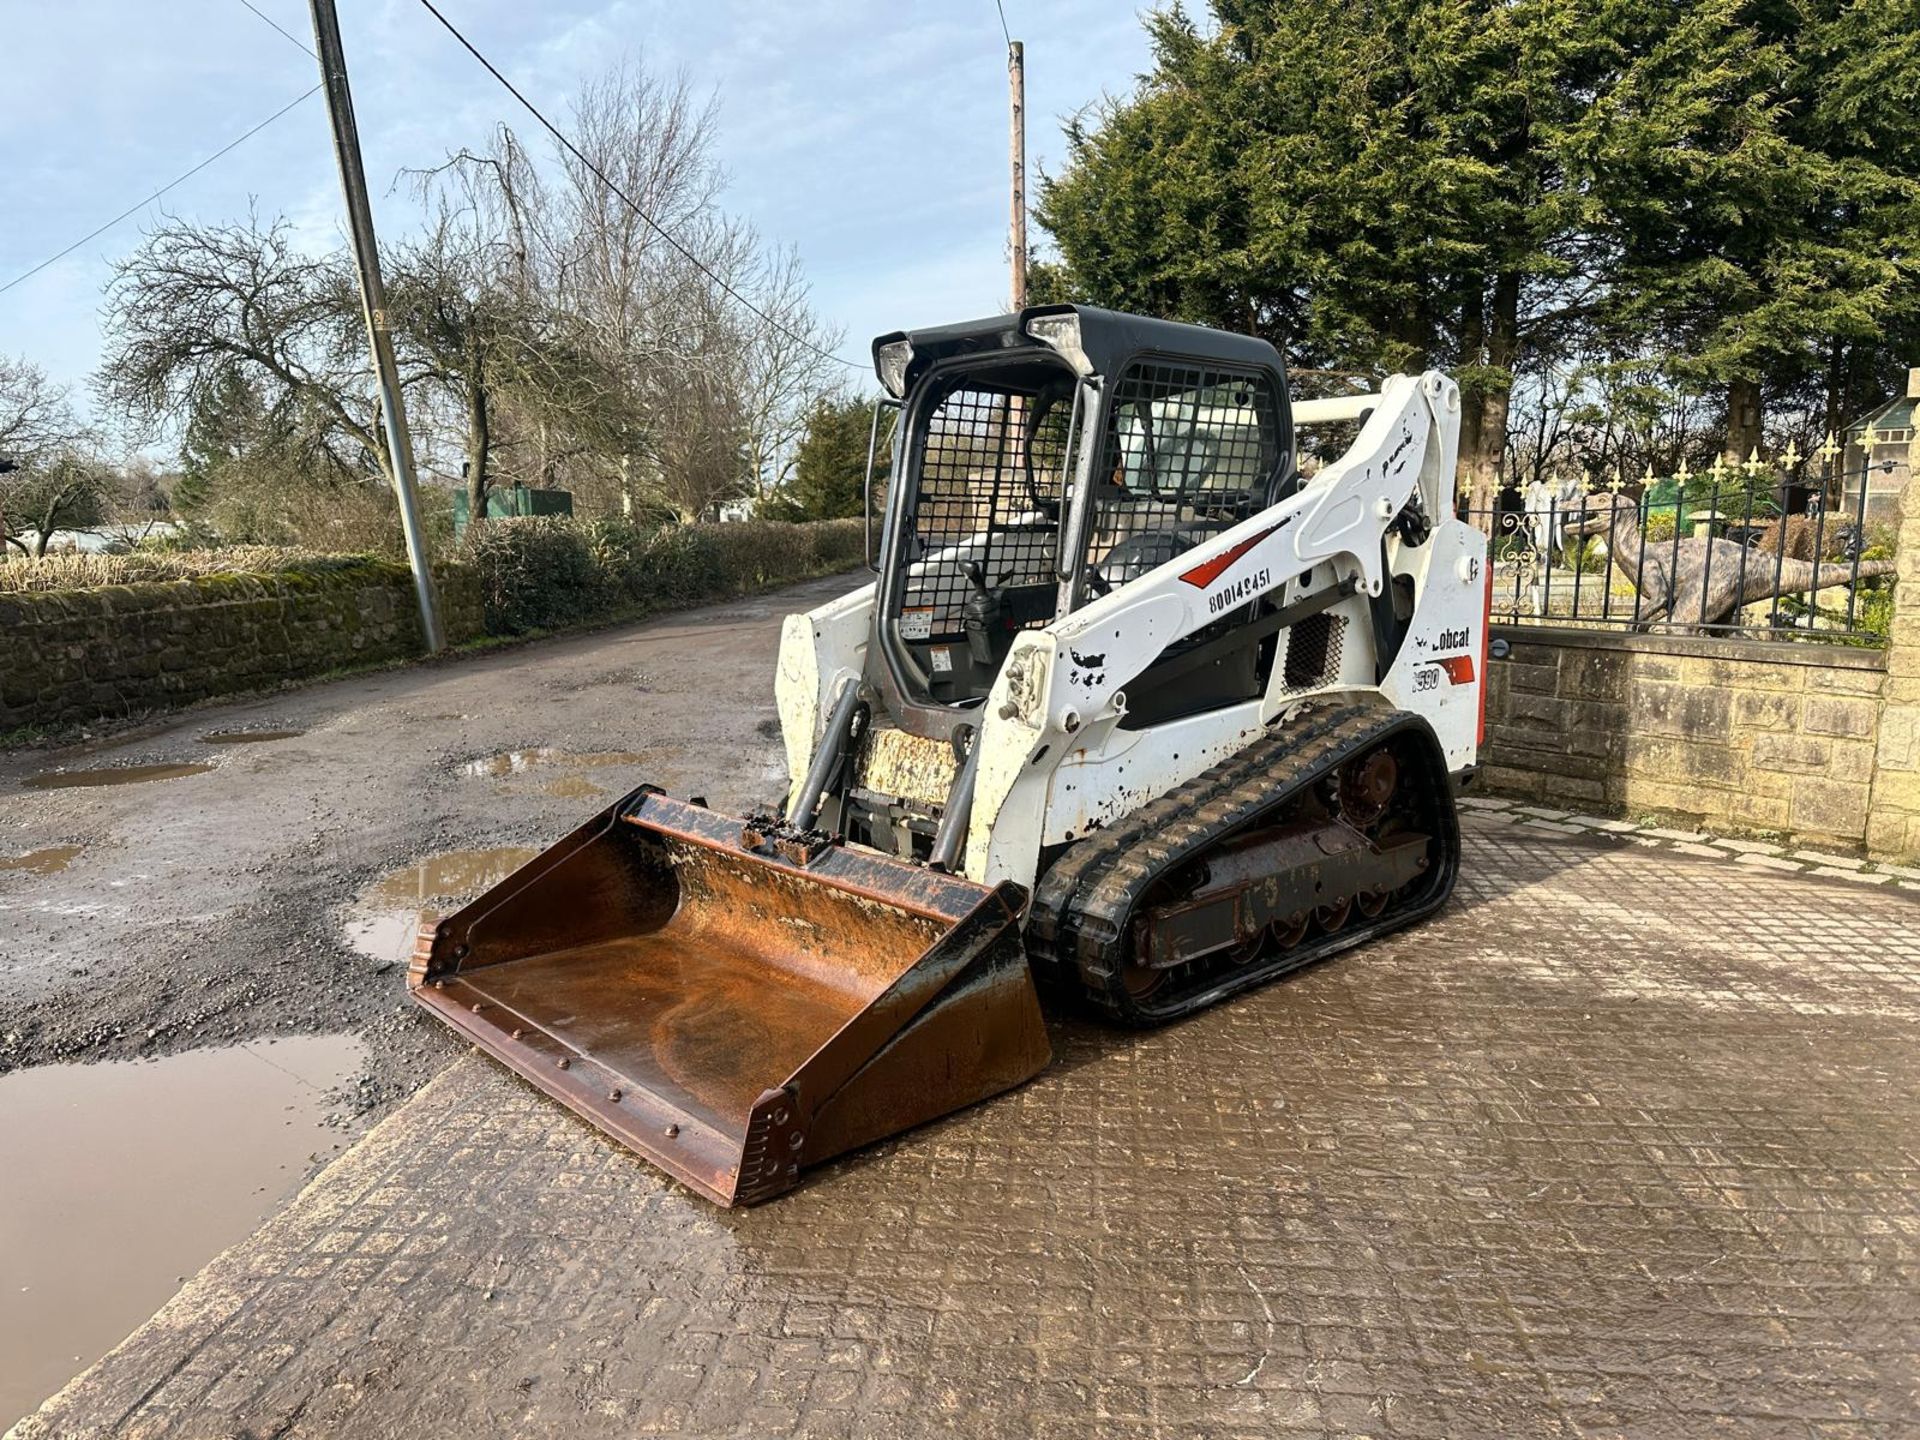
(1108, 338)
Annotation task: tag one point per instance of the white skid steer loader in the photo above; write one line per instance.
(1132, 713)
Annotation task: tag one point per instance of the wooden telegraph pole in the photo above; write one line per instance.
(1017, 94)
(373, 297)
(1015, 406)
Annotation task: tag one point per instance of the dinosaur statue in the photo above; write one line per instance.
(1699, 584)
(1799, 534)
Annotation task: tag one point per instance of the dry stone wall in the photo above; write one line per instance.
(71, 656)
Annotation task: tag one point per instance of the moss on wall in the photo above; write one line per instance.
(72, 656)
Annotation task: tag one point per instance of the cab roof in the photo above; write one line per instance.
(1109, 338)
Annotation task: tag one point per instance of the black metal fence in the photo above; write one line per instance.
(1739, 550)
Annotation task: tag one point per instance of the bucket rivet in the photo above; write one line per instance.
(796, 1140)
(518, 1033)
(459, 952)
(614, 1095)
(565, 1063)
(672, 1131)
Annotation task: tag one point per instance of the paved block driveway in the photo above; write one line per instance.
(1624, 1144)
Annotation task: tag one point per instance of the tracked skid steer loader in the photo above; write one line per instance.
(1134, 713)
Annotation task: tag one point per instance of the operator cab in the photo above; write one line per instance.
(1043, 460)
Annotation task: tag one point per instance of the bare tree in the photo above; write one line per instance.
(197, 302)
(134, 501)
(788, 367)
(62, 487)
(35, 413)
(649, 141)
(488, 344)
(693, 443)
(597, 316)
(659, 311)
(48, 478)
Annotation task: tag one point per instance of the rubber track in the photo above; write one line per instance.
(1081, 908)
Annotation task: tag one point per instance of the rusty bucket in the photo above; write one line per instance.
(736, 1003)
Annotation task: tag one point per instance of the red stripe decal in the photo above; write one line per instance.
(1459, 668)
(1202, 576)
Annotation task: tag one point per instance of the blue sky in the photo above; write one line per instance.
(834, 118)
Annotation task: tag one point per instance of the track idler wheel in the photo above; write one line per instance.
(1366, 786)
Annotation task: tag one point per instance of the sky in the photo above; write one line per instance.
(871, 136)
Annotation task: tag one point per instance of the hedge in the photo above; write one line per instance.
(534, 573)
(83, 572)
(546, 573)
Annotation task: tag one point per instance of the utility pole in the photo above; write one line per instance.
(1017, 219)
(1015, 412)
(373, 297)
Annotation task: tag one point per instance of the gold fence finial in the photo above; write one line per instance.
(1792, 456)
(1829, 449)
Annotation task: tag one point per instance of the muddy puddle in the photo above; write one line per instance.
(50, 861)
(121, 1179)
(114, 775)
(519, 762)
(248, 737)
(382, 921)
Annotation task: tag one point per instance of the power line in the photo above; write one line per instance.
(631, 204)
(177, 180)
(276, 25)
(996, 5)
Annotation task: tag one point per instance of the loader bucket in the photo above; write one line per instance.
(735, 1001)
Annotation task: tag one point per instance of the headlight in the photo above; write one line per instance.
(1062, 333)
(890, 362)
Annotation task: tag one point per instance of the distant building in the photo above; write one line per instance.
(1886, 463)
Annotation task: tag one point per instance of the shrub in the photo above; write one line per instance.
(536, 573)
(1585, 554)
(1874, 614)
(679, 560)
(616, 547)
(544, 573)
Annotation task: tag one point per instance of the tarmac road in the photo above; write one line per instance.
(1622, 1144)
(208, 907)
